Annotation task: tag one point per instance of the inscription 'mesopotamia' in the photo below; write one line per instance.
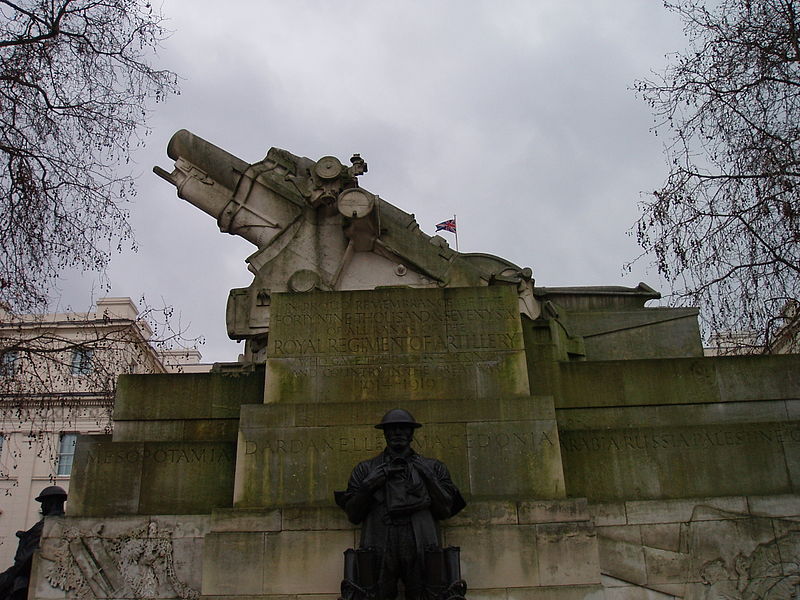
(161, 455)
(525, 442)
(589, 441)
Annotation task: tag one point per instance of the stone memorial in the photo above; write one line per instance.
(599, 453)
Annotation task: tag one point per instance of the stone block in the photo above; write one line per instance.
(773, 377)
(679, 462)
(178, 396)
(246, 520)
(530, 456)
(785, 505)
(572, 592)
(626, 591)
(792, 409)
(291, 466)
(296, 465)
(665, 536)
(623, 560)
(676, 511)
(483, 513)
(368, 413)
(722, 541)
(40, 588)
(785, 526)
(148, 431)
(657, 332)
(397, 344)
(305, 562)
(106, 477)
(665, 566)
(124, 478)
(183, 526)
(225, 569)
(488, 594)
(315, 518)
(187, 561)
(568, 554)
(637, 382)
(631, 534)
(651, 417)
(608, 513)
(554, 511)
(186, 478)
(506, 557)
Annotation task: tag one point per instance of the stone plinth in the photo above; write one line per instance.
(129, 478)
(298, 551)
(295, 454)
(662, 429)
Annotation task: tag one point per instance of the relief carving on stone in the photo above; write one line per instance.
(714, 555)
(136, 564)
(770, 572)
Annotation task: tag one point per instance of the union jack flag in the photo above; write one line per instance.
(449, 225)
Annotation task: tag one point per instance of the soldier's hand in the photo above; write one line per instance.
(422, 467)
(375, 479)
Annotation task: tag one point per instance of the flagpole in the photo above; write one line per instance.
(456, 230)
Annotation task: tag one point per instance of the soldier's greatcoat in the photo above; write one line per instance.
(404, 499)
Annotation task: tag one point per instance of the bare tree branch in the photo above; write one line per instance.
(724, 229)
(75, 81)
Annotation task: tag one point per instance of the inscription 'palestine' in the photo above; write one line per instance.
(572, 441)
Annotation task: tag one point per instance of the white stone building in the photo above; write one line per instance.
(57, 378)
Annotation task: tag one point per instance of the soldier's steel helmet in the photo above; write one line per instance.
(398, 416)
(50, 491)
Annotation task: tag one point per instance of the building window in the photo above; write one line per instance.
(66, 453)
(82, 361)
(9, 363)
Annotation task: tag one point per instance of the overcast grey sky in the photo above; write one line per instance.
(515, 115)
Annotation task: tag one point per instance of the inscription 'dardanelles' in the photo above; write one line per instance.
(522, 442)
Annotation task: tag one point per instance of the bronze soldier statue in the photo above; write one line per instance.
(398, 496)
(14, 580)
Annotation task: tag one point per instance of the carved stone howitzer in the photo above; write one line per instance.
(316, 228)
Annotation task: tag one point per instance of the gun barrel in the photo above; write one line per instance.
(221, 166)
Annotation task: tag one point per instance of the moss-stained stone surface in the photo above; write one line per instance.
(734, 547)
(678, 381)
(679, 462)
(402, 344)
(678, 428)
(125, 478)
(292, 454)
(638, 334)
(184, 406)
